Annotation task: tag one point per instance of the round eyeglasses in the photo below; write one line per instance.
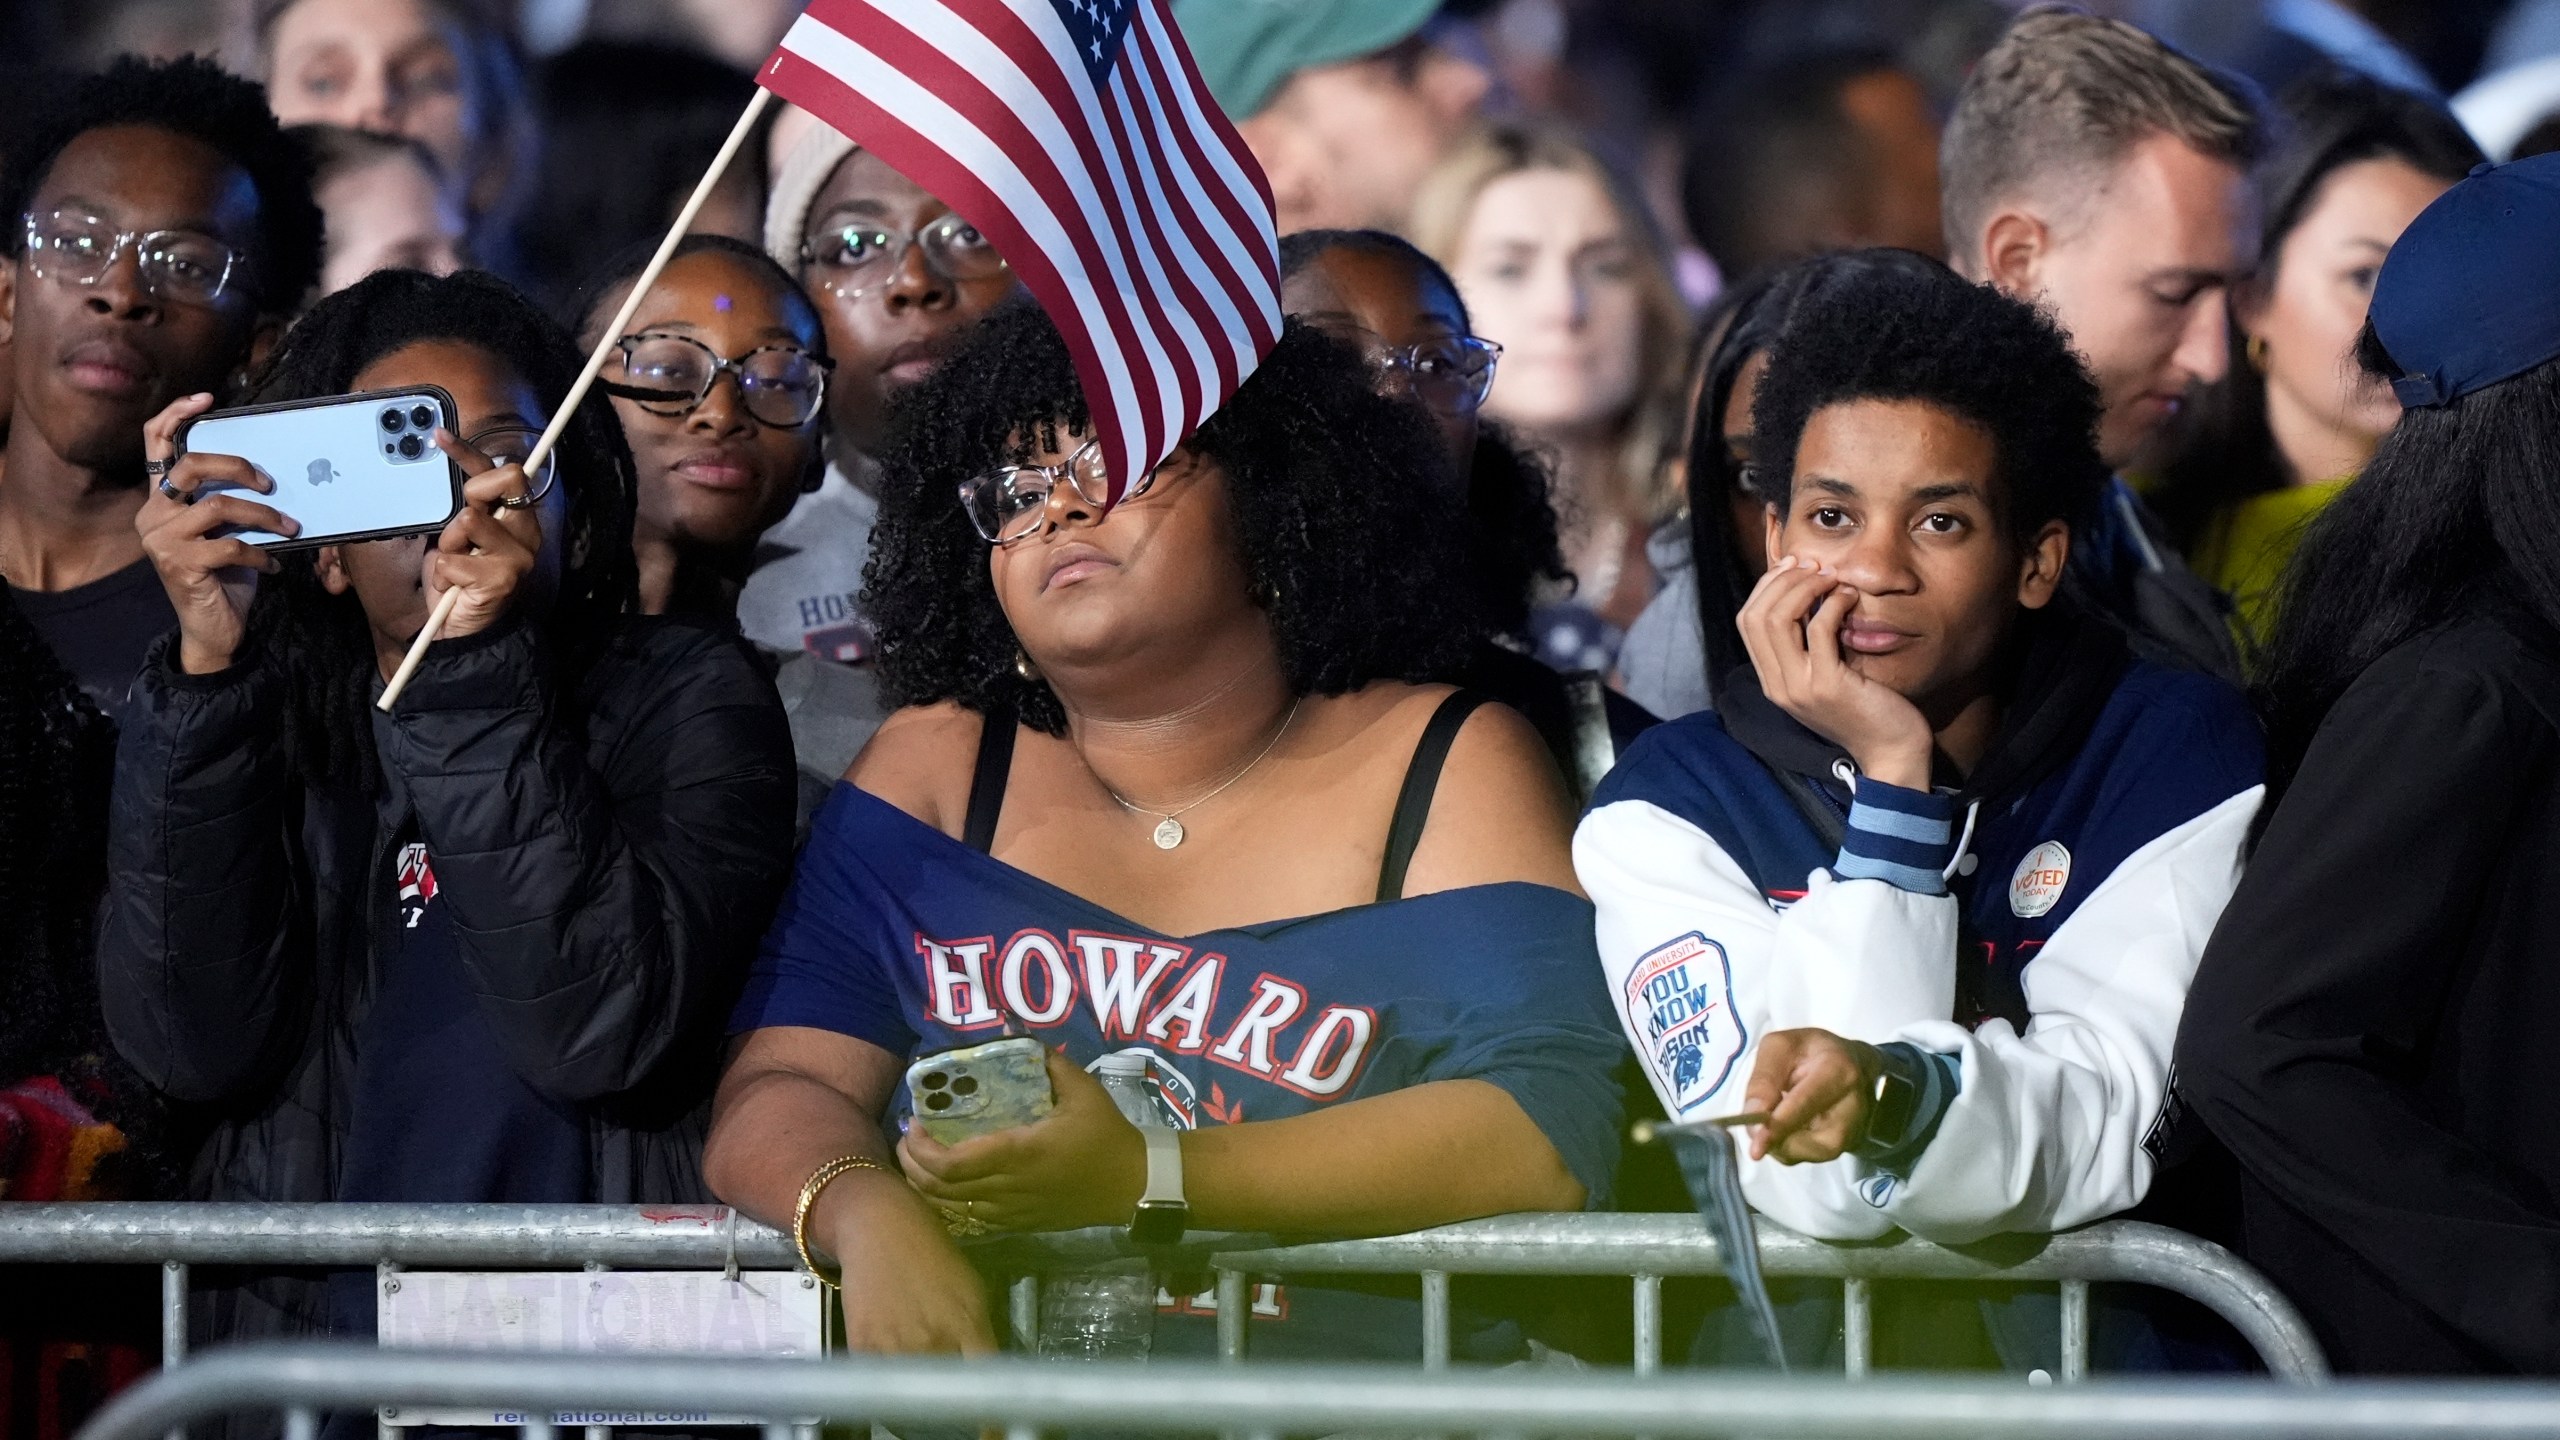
(857, 259)
(509, 445)
(1011, 503)
(1450, 375)
(74, 247)
(783, 385)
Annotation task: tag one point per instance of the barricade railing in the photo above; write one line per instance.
(1645, 1249)
(1026, 1397)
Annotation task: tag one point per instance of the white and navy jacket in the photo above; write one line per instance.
(2033, 933)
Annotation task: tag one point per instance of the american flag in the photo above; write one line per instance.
(1079, 138)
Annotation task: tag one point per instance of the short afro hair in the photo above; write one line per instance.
(1922, 333)
(196, 98)
(1361, 583)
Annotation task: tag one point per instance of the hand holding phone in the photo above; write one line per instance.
(491, 545)
(345, 467)
(190, 525)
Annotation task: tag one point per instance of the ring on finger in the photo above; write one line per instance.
(170, 490)
(158, 468)
(516, 502)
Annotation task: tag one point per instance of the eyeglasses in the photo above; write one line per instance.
(77, 248)
(859, 259)
(783, 385)
(509, 445)
(1008, 504)
(1451, 376)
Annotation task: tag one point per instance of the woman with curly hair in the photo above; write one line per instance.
(476, 949)
(1170, 778)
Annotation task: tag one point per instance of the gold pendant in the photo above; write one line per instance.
(1168, 833)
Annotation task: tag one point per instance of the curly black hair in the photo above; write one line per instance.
(1360, 584)
(1513, 555)
(1925, 334)
(196, 98)
(322, 639)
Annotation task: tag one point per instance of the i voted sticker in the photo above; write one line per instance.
(2037, 887)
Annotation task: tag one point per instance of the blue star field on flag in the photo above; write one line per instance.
(1098, 27)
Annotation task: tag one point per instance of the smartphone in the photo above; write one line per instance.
(348, 467)
(960, 1094)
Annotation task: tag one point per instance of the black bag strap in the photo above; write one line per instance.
(987, 781)
(1421, 781)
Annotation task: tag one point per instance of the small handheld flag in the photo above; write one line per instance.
(1713, 1173)
(1078, 137)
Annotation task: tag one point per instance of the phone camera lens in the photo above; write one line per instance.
(932, 1080)
(937, 1100)
(423, 417)
(965, 1085)
(411, 447)
(391, 422)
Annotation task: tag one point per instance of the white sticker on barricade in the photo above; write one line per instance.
(611, 1312)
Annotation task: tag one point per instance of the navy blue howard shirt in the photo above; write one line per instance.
(899, 935)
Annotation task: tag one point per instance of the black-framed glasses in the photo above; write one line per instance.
(1451, 375)
(1010, 503)
(783, 385)
(510, 445)
(857, 259)
(74, 247)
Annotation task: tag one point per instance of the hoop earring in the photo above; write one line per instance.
(2255, 351)
(1023, 667)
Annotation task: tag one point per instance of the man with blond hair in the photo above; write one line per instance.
(2100, 173)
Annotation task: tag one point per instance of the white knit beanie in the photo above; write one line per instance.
(813, 158)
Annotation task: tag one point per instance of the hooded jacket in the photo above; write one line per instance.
(2035, 926)
(610, 857)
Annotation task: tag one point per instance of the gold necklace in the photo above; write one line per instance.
(1169, 831)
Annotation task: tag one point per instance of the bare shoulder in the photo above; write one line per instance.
(1501, 811)
(921, 760)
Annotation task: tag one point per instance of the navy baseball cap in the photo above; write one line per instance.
(2470, 293)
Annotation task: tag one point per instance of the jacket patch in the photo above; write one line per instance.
(2038, 885)
(1679, 998)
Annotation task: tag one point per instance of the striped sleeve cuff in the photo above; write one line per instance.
(1905, 838)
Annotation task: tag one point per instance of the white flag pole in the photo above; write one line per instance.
(595, 366)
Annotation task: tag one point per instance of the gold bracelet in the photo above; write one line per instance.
(819, 1180)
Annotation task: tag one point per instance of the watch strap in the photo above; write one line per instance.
(1912, 1095)
(1164, 1212)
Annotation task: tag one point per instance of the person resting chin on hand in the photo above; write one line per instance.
(1921, 898)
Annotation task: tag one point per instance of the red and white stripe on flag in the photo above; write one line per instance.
(1077, 136)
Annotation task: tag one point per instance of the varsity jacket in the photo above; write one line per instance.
(2028, 934)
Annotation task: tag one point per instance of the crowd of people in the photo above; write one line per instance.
(2032, 693)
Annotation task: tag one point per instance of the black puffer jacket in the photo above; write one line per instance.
(609, 865)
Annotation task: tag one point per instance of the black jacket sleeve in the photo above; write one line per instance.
(608, 881)
(204, 965)
(2327, 979)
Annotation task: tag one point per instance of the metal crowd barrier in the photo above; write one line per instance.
(1028, 1396)
(1644, 1248)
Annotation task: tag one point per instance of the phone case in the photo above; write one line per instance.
(975, 1091)
(349, 467)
